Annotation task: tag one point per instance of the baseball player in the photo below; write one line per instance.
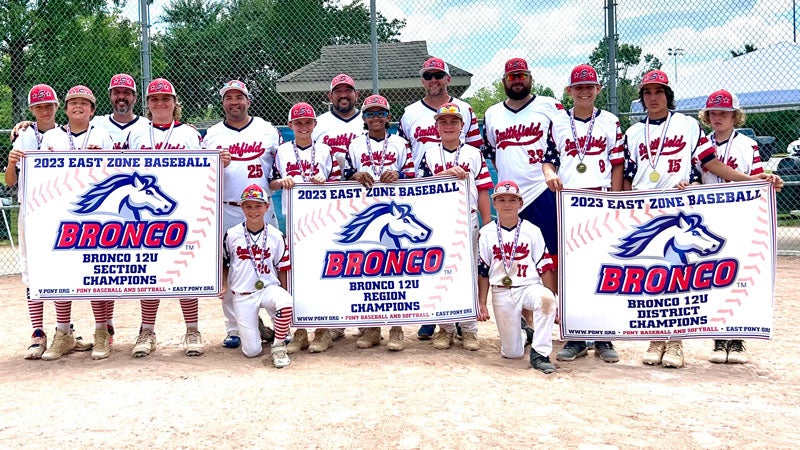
(723, 113)
(43, 103)
(165, 132)
(255, 263)
(659, 153)
(418, 126)
(379, 157)
(518, 132)
(252, 143)
(122, 120)
(515, 262)
(298, 161)
(337, 127)
(450, 156)
(79, 134)
(592, 158)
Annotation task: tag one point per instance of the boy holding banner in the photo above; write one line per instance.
(255, 263)
(515, 262)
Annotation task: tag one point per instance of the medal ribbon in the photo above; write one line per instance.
(85, 140)
(444, 161)
(251, 243)
(650, 161)
(377, 170)
(508, 262)
(306, 176)
(165, 141)
(582, 151)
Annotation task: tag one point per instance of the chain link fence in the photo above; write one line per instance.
(288, 51)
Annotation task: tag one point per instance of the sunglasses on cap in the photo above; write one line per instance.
(374, 114)
(517, 76)
(431, 75)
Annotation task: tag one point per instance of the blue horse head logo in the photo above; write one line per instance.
(671, 238)
(385, 224)
(126, 195)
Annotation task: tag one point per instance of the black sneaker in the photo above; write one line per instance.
(528, 331)
(605, 350)
(459, 335)
(572, 350)
(425, 332)
(737, 353)
(541, 363)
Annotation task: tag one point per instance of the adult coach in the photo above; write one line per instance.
(252, 143)
(518, 132)
(418, 125)
(122, 120)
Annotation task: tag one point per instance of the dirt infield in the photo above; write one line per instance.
(418, 398)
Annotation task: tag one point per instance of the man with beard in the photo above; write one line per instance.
(417, 124)
(252, 143)
(518, 132)
(342, 123)
(122, 94)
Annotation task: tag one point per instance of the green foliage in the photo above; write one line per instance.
(203, 38)
(488, 96)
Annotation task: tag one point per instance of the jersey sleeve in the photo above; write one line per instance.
(408, 167)
(473, 136)
(226, 256)
(488, 150)
(631, 166)
(424, 169)
(483, 180)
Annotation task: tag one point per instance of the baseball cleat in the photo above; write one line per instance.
(145, 344)
(38, 344)
(193, 343)
(231, 341)
(63, 343)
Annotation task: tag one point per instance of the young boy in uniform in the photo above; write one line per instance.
(515, 262)
(297, 161)
(256, 260)
(592, 158)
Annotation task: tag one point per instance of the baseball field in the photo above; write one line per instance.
(417, 398)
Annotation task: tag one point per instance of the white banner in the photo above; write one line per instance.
(109, 225)
(697, 263)
(394, 254)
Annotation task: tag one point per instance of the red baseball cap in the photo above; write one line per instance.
(375, 101)
(722, 100)
(41, 94)
(434, 65)
(506, 187)
(583, 74)
(302, 111)
(654, 77)
(80, 91)
(234, 85)
(122, 80)
(160, 86)
(342, 78)
(516, 65)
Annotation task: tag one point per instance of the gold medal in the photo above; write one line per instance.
(259, 285)
(654, 176)
(581, 168)
(507, 281)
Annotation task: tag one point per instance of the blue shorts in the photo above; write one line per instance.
(542, 213)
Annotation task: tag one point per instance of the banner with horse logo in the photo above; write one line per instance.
(657, 265)
(109, 225)
(394, 254)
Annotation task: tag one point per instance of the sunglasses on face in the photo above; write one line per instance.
(431, 75)
(517, 76)
(374, 114)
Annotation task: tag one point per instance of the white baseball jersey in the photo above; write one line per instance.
(738, 152)
(252, 149)
(436, 160)
(530, 257)
(119, 131)
(57, 139)
(337, 132)
(28, 139)
(604, 151)
(518, 139)
(418, 127)
(253, 257)
(180, 136)
(684, 142)
(396, 156)
(287, 165)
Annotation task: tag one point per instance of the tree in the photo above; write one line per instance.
(31, 32)
(256, 41)
(488, 96)
(747, 49)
